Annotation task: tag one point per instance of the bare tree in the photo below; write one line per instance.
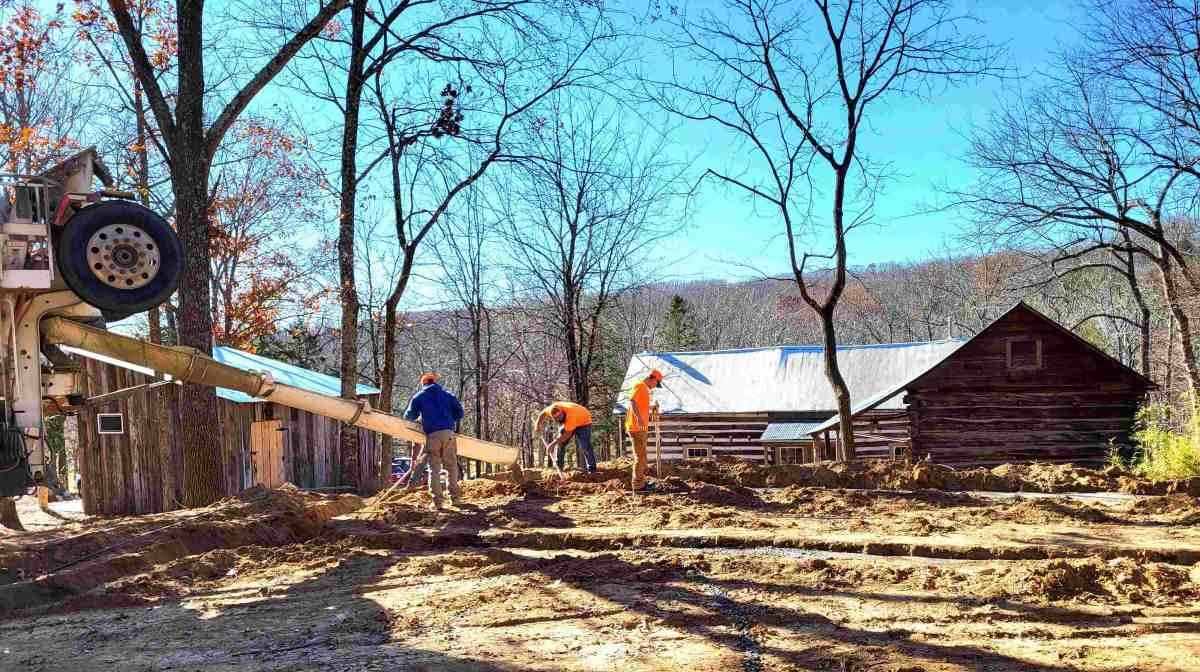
(793, 80)
(502, 50)
(466, 252)
(583, 220)
(191, 140)
(1063, 170)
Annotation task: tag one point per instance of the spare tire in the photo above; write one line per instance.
(120, 257)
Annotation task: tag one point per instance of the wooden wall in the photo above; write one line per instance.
(141, 471)
(878, 434)
(722, 435)
(135, 472)
(974, 409)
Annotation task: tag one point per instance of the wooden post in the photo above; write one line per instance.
(657, 440)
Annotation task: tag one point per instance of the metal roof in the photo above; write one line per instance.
(787, 432)
(282, 372)
(782, 379)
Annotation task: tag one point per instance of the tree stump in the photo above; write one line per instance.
(8, 514)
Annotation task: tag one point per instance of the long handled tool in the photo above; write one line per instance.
(551, 455)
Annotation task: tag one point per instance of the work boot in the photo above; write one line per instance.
(436, 507)
(456, 502)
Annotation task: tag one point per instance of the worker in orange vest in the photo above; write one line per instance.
(637, 423)
(574, 421)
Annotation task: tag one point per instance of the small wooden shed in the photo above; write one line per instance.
(1024, 388)
(137, 468)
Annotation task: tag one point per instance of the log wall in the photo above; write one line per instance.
(717, 435)
(976, 408)
(878, 434)
(141, 471)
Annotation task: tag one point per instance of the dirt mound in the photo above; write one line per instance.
(888, 475)
(839, 502)
(722, 495)
(198, 572)
(1091, 579)
(287, 498)
(1171, 504)
(1048, 511)
(106, 552)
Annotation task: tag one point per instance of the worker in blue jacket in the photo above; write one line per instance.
(439, 412)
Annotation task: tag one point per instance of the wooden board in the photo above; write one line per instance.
(266, 448)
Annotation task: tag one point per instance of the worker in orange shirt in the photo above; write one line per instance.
(574, 421)
(637, 423)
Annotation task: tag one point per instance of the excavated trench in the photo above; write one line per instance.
(721, 521)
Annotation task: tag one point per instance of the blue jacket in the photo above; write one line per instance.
(437, 408)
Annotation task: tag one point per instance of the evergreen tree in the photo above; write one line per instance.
(679, 329)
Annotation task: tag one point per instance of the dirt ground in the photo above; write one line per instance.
(723, 567)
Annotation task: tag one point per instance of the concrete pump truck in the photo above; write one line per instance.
(72, 258)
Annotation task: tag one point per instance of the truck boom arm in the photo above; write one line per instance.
(191, 366)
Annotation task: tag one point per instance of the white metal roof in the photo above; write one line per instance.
(281, 372)
(779, 379)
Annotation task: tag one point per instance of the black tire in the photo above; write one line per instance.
(114, 301)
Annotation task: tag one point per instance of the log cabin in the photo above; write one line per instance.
(1023, 389)
(761, 403)
(129, 452)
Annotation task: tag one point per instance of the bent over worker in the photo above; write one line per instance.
(637, 423)
(574, 421)
(439, 412)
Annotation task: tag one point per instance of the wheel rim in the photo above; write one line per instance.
(123, 256)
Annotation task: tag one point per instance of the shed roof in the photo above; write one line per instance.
(889, 397)
(787, 432)
(281, 372)
(776, 379)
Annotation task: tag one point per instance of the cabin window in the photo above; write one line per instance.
(699, 451)
(1024, 354)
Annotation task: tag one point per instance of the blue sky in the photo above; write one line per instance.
(922, 140)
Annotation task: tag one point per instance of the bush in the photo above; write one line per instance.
(1165, 453)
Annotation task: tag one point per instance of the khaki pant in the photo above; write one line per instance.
(639, 459)
(442, 454)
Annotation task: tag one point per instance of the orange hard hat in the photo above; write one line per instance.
(655, 374)
(429, 378)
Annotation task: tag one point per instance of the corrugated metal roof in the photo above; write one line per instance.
(786, 432)
(282, 373)
(788, 378)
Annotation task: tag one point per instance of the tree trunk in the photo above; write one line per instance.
(387, 382)
(153, 323)
(190, 162)
(833, 372)
(1171, 292)
(1144, 328)
(8, 514)
(349, 194)
(172, 327)
(477, 351)
(576, 376)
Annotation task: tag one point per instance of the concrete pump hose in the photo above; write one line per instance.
(191, 366)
